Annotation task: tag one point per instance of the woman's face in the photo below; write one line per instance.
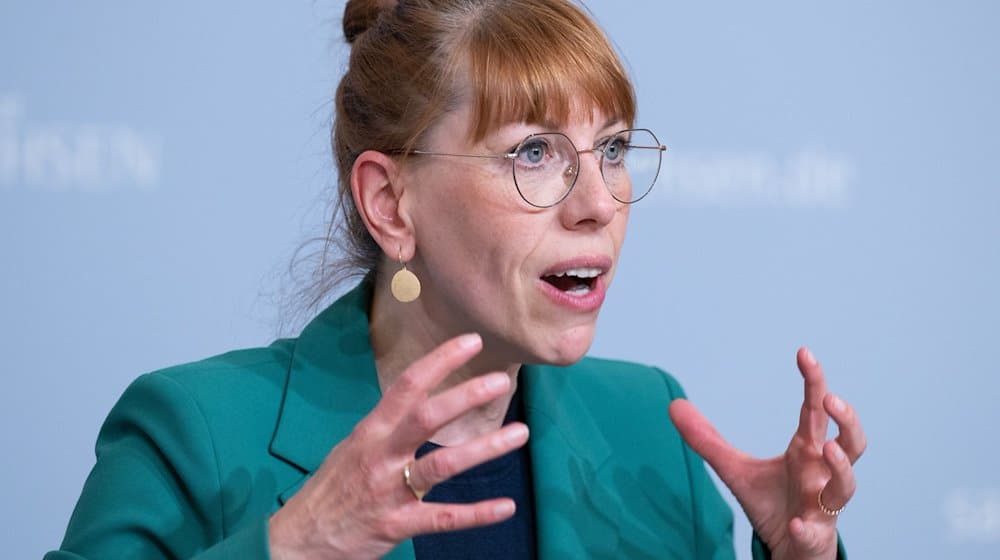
(530, 280)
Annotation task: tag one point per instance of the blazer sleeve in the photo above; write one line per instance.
(155, 490)
(713, 518)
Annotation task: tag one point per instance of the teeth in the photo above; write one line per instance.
(580, 273)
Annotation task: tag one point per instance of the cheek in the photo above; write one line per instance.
(619, 227)
(469, 225)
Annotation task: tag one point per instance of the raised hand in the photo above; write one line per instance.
(358, 503)
(792, 500)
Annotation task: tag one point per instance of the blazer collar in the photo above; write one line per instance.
(332, 385)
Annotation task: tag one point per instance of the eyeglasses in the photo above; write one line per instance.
(546, 165)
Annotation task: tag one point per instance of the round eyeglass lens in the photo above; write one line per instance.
(631, 163)
(545, 168)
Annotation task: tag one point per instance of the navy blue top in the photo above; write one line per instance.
(506, 476)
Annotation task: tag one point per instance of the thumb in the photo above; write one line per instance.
(699, 433)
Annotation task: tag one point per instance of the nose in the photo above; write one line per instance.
(589, 204)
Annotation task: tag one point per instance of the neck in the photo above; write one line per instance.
(402, 333)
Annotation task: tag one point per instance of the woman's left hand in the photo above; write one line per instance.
(785, 496)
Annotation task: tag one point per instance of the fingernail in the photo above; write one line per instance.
(515, 434)
(497, 382)
(469, 340)
(503, 509)
(810, 359)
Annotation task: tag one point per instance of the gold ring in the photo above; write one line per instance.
(418, 494)
(826, 510)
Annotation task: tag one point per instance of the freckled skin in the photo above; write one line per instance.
(481, 250)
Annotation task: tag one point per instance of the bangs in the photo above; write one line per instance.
(538, 65)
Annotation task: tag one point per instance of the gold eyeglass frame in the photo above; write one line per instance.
(575, 168)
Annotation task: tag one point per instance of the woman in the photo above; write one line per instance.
(488, 158)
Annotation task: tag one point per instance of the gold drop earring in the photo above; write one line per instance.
(405, 286)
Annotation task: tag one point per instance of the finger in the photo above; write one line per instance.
(434, 413)
(842, 484)
(851, 437)
(699, 433)
(422, 518)
(442, 464)
(813, 419)
(426, 373)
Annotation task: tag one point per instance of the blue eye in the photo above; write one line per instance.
(533, 151)
(615, 149)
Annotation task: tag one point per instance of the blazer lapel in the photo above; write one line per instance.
(575, 511)
(332, 385)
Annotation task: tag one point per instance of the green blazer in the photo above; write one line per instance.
(193, 459)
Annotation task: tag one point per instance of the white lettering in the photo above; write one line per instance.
(813, 178)
(973, 514)
(46, 157)
(134, 158)
(83, 156)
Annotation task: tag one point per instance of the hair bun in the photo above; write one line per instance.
(360, 15)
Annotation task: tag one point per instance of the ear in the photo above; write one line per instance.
(377, 190)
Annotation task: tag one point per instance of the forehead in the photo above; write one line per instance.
(511, 73)
(550, 106)
(459, 125)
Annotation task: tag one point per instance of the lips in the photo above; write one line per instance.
(575, 281)
(578, 284)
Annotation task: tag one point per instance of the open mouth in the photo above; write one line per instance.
(575, 282)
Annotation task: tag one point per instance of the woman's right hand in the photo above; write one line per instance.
(357, 504)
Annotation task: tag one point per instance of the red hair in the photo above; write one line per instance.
(412, 61)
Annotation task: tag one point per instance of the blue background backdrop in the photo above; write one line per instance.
(832, 181)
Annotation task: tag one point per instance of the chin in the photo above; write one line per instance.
(568, 347)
